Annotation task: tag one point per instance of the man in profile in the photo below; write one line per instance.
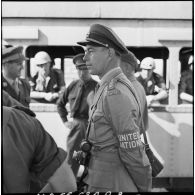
(12, 83)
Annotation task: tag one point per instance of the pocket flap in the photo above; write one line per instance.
(97, 116)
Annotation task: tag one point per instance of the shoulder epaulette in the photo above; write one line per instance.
(111, 90)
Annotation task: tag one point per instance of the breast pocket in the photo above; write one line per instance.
(97, 118)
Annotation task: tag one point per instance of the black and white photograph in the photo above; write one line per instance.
(97, 97)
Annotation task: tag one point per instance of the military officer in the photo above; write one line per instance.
(17, 87)
(76, 95)
(129, 64)
(118, 160)
(152, 82)
(48, 84)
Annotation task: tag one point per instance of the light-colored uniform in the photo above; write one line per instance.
(118, 161)
(142, 96)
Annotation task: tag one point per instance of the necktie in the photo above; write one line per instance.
(77, 102)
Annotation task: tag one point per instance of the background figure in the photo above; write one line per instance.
(115, 164)
(18, 88)
(186, 85)
(152, 82)
(30, 154)
(76, 95)
(48, 83)
(129, 65)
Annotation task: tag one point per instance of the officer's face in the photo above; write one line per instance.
(13, 69)
(96, 59)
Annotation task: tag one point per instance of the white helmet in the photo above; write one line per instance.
(191, 60)
(42, 57)
(147, 63)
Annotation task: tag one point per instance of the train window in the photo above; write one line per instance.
(185, 92)
(160, 54)
(57, 63)
(157, 82)
(57, 54)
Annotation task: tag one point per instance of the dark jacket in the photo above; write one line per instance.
(30, 154)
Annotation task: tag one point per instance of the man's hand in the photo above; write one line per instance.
(55, 95)
(149, 99)
(48, 97)
(51, 96)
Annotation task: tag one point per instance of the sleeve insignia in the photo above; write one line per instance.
(113, 92)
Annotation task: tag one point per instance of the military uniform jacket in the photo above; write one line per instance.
(30, 154)
(118, 161)
(24, 91)
(142, 96)
(69, 96)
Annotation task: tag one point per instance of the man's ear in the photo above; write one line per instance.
(111, 52)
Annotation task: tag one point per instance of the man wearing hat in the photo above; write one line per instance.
(129, 64)
(48, 83)
(76, 95)
(152, 82)
(17, 87)
(118, 162)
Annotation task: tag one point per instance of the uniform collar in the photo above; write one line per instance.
(131, 78)
(110, 74)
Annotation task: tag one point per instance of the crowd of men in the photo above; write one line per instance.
(103, 115)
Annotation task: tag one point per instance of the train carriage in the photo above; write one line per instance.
(162, 30)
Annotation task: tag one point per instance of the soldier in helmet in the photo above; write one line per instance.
(185, 85)
(48, 83)
(152, 82)
(118, 162)
(13, 84)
